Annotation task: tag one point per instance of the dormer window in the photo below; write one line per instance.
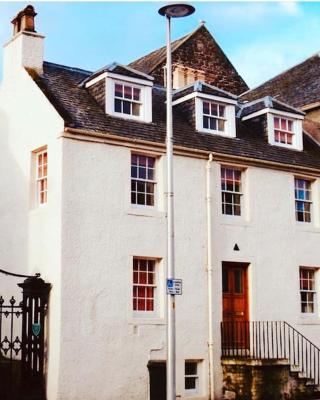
(127, 99)
(281, 123)
(283, 130)
(210, 109)
(213, 116)
(122, 91)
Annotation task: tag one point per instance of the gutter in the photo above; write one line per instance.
(209, 277)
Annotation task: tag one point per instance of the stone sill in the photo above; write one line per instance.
(254, 362)
(146, 321)
(146, 212)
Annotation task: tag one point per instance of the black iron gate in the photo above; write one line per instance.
(23, 340)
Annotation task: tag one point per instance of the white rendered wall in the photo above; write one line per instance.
(30, 236)
(101, 234)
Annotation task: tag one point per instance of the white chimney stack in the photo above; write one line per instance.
(25, 49)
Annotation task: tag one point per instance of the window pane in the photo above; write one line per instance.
(118, 90)
(135, 109)
(136, 94)
(150, 200)
(221, 125)
(127, 92)
(206, 107)
(117, 105)
(133, 172)
(142, 173)
(190, 368)
(190, 383)
(213, 124)
(206, 122)
(221, 111)
(141, 186)
(126, 107)
(214, 109)
(149, 188)
(141, 199)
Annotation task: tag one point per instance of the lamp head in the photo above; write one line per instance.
(176, 10)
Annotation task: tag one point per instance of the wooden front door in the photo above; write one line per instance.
(235, 304)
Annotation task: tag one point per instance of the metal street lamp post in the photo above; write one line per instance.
(171, 11)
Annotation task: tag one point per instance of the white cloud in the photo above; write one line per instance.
(260, 61)
(291, 8)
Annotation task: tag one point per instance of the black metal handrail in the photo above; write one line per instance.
(271, 340)
(36, 275)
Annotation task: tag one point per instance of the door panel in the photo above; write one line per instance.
(235, 304)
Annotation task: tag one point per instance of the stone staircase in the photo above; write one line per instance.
(268, 360)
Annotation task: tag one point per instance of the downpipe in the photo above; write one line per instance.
(209, 276)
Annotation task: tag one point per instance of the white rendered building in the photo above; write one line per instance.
(83, 200)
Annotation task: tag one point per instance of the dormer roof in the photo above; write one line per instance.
(266, 102)
(202, 87)
(119, 69)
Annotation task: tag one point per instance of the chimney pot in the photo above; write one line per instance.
(24, 20)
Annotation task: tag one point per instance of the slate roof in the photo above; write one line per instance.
(267, 102)
(150, 61)
(202, 87)
(298, 86)
(79, 109)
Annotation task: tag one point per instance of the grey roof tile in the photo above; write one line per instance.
(79, 109)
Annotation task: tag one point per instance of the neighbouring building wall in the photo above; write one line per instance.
(102, 232)
(313, 114)
(202, 53)
(30, 235)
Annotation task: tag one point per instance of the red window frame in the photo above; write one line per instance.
(283, 130)
(144, 285)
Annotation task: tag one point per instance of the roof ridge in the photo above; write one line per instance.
(73, 69)
(281, 73)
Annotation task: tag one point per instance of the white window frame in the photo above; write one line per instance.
(145, 96)
(297, 140)
(39, 179)
(286, 131)
(155, 313)
(229, 117)
(312, 291)
(131, 101)
(196, 390)
(308, 201)
(151, 181)
(240, 193)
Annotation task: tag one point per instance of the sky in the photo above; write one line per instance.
(261, 39)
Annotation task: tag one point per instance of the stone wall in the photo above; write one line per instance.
(263, 380)
(203, 53)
